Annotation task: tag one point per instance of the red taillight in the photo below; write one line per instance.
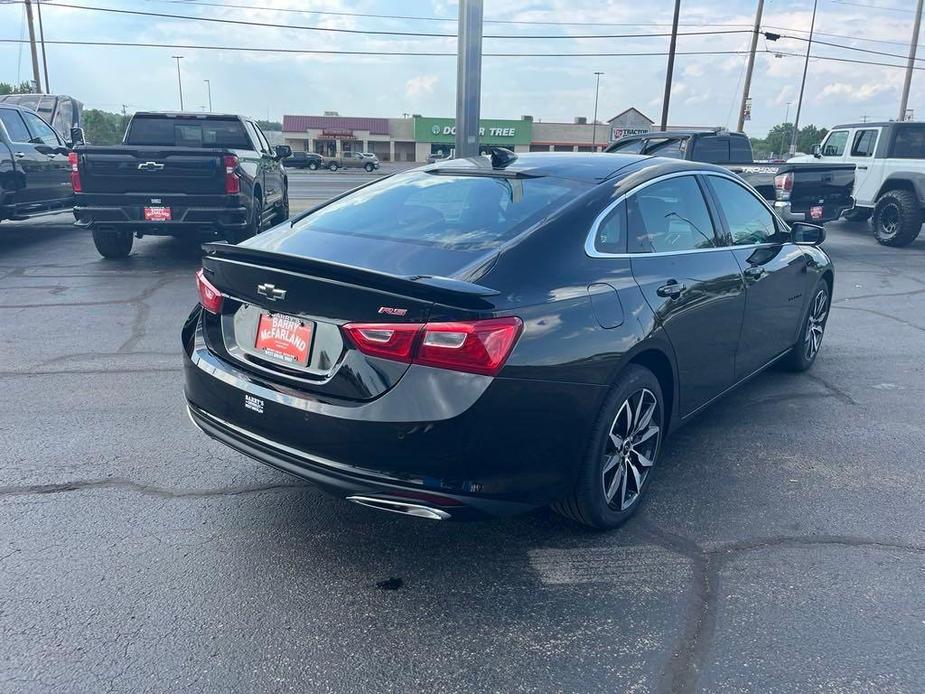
(232, 182)
(75, 172)
(479, 347)
(209, 296)
(783, 184)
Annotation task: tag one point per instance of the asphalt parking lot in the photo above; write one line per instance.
(782, 546)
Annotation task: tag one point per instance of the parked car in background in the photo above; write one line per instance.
(304, 160)
(62, 112)
(35, 172)
(889, 185)
(810, 191)
(191, 175)
(488, 336)
(352, 160)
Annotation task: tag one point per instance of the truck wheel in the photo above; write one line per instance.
(282, 212)
(313, 166)
(332, 166)
(369, 168)
(113, 244)
(858, 214)
(897, 218)
(253, 225)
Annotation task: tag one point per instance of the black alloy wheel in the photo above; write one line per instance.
(804, 352)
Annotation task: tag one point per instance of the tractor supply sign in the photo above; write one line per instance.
(491, 132)
(617, 133)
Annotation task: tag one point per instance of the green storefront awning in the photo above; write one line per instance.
(492, 131)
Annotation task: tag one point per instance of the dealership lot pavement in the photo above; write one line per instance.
(782, 547)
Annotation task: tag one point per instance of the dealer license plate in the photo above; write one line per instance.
(157, 214)
(284, 338)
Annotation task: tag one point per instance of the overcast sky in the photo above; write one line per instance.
(706, 90)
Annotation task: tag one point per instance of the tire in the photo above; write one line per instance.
(858, 214)
(599, 498)
(113, 244)
(897, 218)
(812, 329)
(313, 166)
(332, 166)
(369, 168)
(253, 225)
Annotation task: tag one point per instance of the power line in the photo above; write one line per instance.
(839, 60)
(839, 36)
(868, 6)
(309, 51)
(371, 32)
(847, 48)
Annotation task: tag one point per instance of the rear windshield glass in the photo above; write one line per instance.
(187, 132)
(453, 211)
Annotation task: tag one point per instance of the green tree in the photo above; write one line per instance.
(21, 88)
(777, 141)
(103, 127)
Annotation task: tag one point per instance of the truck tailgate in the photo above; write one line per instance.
(155, 170)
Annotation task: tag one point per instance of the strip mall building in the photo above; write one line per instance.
(415, 138)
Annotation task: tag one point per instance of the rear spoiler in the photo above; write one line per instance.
(427, 287)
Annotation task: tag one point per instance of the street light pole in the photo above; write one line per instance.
(597, 89)
(904, 101)
(783, 132)
(468, 77)
(178, 58)
(671, 48)
(751, 65)
(209, 86)
(796, 120)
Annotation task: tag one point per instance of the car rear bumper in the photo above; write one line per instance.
(462, 444)
(208, 214)
(830, 212)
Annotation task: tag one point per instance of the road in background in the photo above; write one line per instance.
(781, 546)
(308, 188)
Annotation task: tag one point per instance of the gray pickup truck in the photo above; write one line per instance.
(353, 160)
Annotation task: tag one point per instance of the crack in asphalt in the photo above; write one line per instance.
(836, 392)
(696, 641)
(144, 489)
(879, 313)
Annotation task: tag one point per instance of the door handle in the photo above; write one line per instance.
(754, 272)
(672, 289)
(19, 155)
(863, 168)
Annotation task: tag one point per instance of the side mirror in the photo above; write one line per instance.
(77, 137)
(817, 151)
(283, 151)
(808, 234)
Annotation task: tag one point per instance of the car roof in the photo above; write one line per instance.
(681, 133)
(188, 114)
(875, 124)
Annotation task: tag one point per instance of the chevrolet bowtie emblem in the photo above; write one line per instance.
(271, 292)
(150, 166)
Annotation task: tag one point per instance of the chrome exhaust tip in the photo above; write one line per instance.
(403, 507)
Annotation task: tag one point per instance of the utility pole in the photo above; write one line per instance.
(597, 89)
(796, 120)
(35, 57)
(751, 65)
(671, 48)
(904, 101)
(38, 7)
(468, 77)
(209, 86)
(178, 58)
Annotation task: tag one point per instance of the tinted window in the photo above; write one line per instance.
(864, 141)
(740, 149)
(465, 212)
(15, 127)
(713, 150)
(835, 143)
(187, 132)
(909, 142)
(631, 147)
(611, 232)
(41, 129)
(670, 215)
(674, 148)
(748, 219)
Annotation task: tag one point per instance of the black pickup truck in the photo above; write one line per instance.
(816, 192)
(35, 173)
(193, 175)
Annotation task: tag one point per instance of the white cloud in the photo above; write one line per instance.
(856, 92)
(420, 85)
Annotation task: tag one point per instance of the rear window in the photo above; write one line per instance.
(712, 150)
(188, 132)
(450, 211)
(909, 142)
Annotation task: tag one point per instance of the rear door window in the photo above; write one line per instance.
(864, 143)
(41, 130)
(669, 216)
(15, 127)
(712, 150)
(188, 132)
(450, 211)
(835, 143)
(909, 142)
(748, 218)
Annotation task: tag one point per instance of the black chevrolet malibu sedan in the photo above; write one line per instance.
(486, 336)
